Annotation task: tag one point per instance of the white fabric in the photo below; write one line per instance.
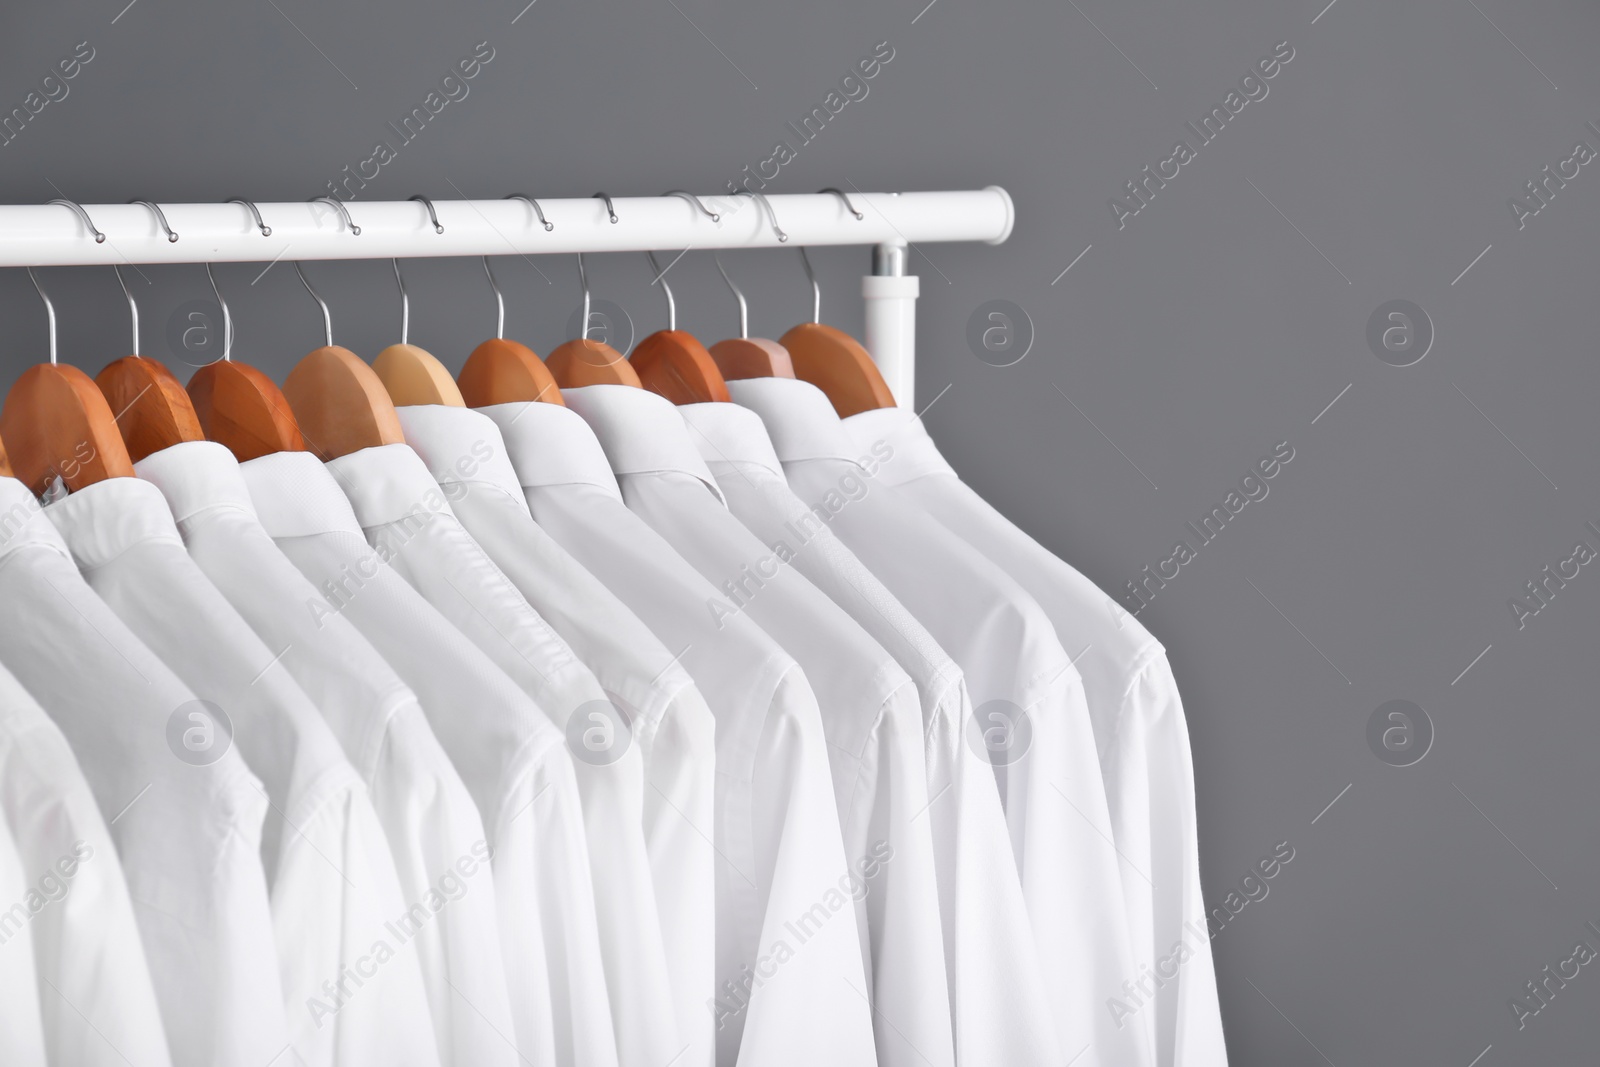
(331, 914)
(997, 1002)
(787, 947)
(478, 715)
(86, 946)
(1030, 711)
(672, 728)
(871, 716)
(188, 837)
(21, 1019)
(1140, 732)
(428, 818)
(407, 519)
(322, 846)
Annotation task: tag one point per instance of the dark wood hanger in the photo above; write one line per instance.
(152, 409)
(239, 407)
(56, 422)
(583, 362)
(831, 359)
(675, 364)
(506, 372)
(836, 363)
(338, 401)
(243, 409)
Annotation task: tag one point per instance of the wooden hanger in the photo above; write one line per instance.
(673, 362)
(584, 362)
(338, 401)
(239, 406)
(56, 422)
(506, 372)
(5, 463)
(831, 359)
(413, 375)
(745, 356)
(152, 409)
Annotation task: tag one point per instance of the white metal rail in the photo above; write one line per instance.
(44, 235)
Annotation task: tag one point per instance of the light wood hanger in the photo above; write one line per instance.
(338, 401)
(831, 359)
(153, 411)
(56, 422)
(412, 375)
(583, 362)
(673, 362)
(239, 406)
(506, 372)
(5, 463)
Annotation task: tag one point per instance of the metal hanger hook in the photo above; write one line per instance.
(133, 308)
(432, 214)
(99, 238)
(49, 310)
(405, 302)
(227, 319)
(771, 215)
(266, 231)
(744, 307)
(610, 208)
(161, 217)
(327, 316)
(816, 290)
(661, 279)
(355, 231)
(847, 204)
(696, 201)
(537, 210)
(499, 300)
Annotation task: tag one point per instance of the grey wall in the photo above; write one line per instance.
(1221, 320)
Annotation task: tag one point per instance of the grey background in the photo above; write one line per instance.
(1208, 330)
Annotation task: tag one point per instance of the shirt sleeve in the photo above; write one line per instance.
(21, 1024)
(806, 966)
(1150, 781)
(99, 1006)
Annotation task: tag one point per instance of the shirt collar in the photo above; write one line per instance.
(551, 445)
(728, 433)
(196, 476)
(295, 496)
(641, 431)
(799, 417)
(460, 446)
(22, 521)
(102, 521)
(913, 452)
(387, 483)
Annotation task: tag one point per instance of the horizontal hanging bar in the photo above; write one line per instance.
(53, 235)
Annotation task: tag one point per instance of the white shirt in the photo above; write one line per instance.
(21, 1020)
(871, 716)
(1030, 712)
(1139, 726)
(188, 837)
(672, 728)
(500, 1000)
(999, 1011)
(428, 817)
(543, 867)
(321, 843)
(331, 911)
(787, 948)
(75, 904)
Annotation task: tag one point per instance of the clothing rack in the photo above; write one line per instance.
(45, 235)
